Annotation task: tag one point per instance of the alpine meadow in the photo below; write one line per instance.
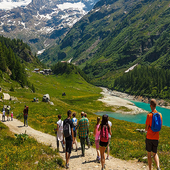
(121, 46)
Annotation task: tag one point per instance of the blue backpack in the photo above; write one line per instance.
(156, 122)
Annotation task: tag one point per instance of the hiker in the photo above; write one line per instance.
(3, 116)
(97, 138)
(25, 111)
(8, 109)
(87, 137)
(74, 120)
(11, 116)
(82, 127)
(108, 146)
(68, 135)
(104, 129)
(152, 135)
(60, 133)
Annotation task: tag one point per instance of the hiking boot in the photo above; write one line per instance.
(67, 166)
(107, 158)
(158, 168)
(76, 150)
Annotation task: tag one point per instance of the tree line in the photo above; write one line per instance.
(145, 81)
(68, 68)
(10, 63)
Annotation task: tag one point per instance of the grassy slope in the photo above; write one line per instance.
(126, 143)
(15, 154)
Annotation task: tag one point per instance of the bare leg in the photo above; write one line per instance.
(156, 158)
(149, 160)
(102, 150)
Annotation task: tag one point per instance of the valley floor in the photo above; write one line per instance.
(112, 100)
(76, 162)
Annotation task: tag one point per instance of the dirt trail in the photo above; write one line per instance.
(76, 162)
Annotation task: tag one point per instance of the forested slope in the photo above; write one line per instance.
(145, 81)
(116, 35)
(13, 54)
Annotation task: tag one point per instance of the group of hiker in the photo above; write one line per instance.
(67, 133)
(6, 109)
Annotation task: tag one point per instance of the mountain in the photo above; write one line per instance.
(115, 35)
(41, 23)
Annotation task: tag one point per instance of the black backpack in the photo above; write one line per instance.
(67, 130)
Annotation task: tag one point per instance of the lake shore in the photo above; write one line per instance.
(110, 98)
(118, 99)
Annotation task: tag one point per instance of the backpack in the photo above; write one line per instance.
(156, 122)
(74, 122)
(104, 134)
(67, 130)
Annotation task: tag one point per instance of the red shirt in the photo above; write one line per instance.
(150, 134)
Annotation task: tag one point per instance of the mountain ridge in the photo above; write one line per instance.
(42, 23)
(116, 35)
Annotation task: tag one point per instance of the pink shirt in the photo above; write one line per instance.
(11, 114)
(97, 137)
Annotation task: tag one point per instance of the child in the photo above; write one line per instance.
(3, 116)
(11, 116)
(97, 137)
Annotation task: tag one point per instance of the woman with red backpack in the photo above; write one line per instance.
(104, 129)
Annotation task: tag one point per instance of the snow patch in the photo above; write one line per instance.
(41, 51)
(131, 68)
(74, 6)
(9, 4)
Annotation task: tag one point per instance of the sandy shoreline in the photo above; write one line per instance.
(112, 100)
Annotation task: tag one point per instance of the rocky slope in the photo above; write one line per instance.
(41, 22)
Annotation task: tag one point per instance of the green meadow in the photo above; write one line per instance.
(126, 143)
(22, 152)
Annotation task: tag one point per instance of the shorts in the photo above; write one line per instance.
(68, 146)
(151, 145)
(75, 133)
(97, 144)
(103, 144)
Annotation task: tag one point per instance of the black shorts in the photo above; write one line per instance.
(75, 133)
(151, 145)
(103, 144)
(68, 146)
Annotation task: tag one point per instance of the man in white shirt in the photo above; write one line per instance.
(60, 133)
(108, 148)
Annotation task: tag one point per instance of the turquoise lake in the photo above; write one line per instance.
(140, 118)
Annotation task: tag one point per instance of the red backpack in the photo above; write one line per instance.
(104, 134)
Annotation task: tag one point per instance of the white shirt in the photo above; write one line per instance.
(4, 113)
(60, 130)
(110, 124)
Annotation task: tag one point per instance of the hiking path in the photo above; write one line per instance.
(76, 161)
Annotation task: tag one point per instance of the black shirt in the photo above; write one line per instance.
(71, 126)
